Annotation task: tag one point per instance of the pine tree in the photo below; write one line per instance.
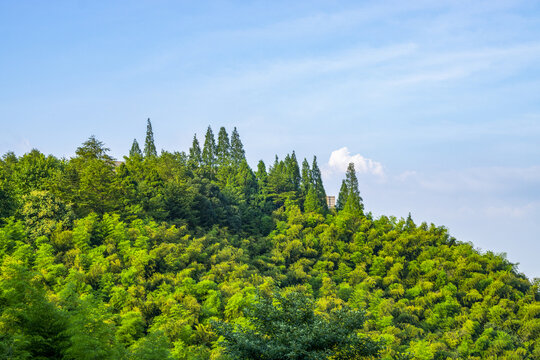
(354, 200)
(293, 171)
(149, 146)
(237, 149)
(209, 150)
(343, 195)
(135, 149)
(223, 148)
(306, 177)
(318, 184)
(195, 157)
(312, 202)
(261, 171)
(94, 149)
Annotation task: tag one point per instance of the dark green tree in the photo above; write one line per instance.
(287, 328)
(8, 203)
(149, 145)
(261, 171)
(354, 200)
(88, 182)
(195, 155)
(209, 151)
(318, 184)
(237, 148)
(293, 171)
(223, 147)
(343, 195)
(93, 149)
(306, 177)
(31, 327)
(135, 149)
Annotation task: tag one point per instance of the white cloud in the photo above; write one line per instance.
(340, 159)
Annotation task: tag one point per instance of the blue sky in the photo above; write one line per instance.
(437, 103)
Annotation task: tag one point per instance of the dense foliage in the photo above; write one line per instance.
(140, 259)
(287, 328)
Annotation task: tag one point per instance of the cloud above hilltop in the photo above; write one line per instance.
(340, 159)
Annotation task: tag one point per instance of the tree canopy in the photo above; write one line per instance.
(143, 258)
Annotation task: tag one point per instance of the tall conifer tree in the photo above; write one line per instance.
(306, 177)
(343, 195)
(195, 157)
(318, 184)
(261, 171)
(312, 203)
(149, 145)
(354, 200)
(223, 147)
(209, 149)
(135, 149)
(237, 149)
(294, 171)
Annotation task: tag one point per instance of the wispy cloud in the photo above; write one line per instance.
(483, 180)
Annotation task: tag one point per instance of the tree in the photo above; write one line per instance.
(135, 149)
(35, 171)
(223, 147)
(149, 146)
(195, 157)
(93, 149)
(237, 149)
(318, 184)
(306, 177)
(261, 171)
(312, 202)
(8, 203)
(287, 328)
(31, 327)
(154, 346)
(88, 180)
(354, 201)
(209, 150)
(43, 212)
(293, 171)
(343, 195)
(91, 332)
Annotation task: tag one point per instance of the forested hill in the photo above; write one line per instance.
(152, 257)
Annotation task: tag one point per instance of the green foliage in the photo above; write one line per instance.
(287, 327)
(136, 261)
(209, 151)
(312, 202)
(223, 149)
(135, 150)
(343, 195)
(31, 326)
(354, 201)
(237, 148)
(149, 145)
(195, 154)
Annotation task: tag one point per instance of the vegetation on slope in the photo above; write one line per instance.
(141, 260)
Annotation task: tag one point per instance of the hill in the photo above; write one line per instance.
(138, 259)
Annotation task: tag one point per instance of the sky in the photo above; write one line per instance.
(436, 102)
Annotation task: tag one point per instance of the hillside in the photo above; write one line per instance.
(137, 259)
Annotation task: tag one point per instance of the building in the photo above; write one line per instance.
(331, 202)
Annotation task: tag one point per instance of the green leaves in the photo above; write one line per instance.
(287, 327)
(136, 260)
